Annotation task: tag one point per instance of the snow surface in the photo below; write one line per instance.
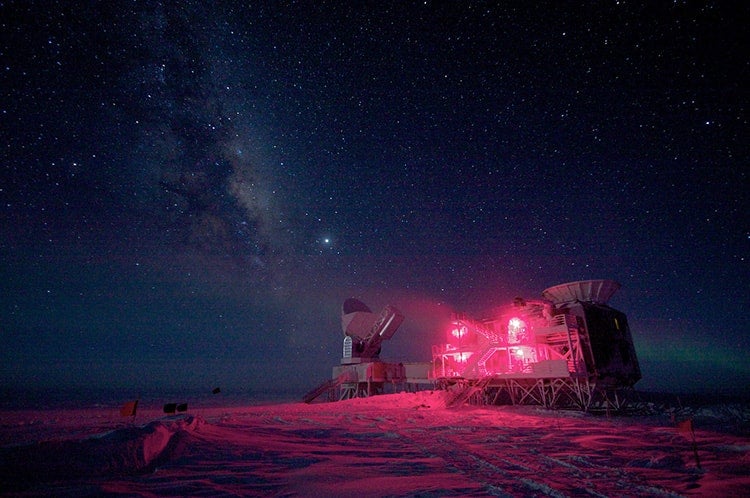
(404, 444)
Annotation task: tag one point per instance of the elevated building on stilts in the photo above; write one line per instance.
(568, 349)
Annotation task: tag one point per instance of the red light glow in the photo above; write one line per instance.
(462, 357)
(516, 330)
(459, 331)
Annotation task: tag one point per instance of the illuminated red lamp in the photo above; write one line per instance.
(462, 357)
(459, 331)
(516, 330)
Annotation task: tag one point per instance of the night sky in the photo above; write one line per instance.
(189, 191)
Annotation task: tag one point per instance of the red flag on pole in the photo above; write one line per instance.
(685, 427)
(128, 409)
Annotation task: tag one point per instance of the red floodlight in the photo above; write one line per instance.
(459, 330)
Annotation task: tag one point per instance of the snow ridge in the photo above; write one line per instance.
(126, 451)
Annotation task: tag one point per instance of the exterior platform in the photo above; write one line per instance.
(529, 389)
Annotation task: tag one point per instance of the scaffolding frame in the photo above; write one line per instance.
(562, 377)
(550, 392)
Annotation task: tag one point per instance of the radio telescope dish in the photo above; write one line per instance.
(591, 291)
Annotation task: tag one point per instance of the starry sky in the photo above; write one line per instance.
(191, 189)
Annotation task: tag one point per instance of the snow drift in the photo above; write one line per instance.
(123, 451)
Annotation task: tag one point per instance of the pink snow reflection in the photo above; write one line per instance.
(395, 445)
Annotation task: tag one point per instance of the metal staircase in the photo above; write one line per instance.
(327, 387)
(562, 341)
(469, 390)
(476, 364)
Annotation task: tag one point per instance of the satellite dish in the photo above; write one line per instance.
(590, 291)
(356, 318)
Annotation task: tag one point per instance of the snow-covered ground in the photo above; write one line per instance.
(405, 444)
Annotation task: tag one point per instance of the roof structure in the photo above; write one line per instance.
(593, 291)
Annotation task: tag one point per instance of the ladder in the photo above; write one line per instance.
(327, 387)
(467, 392)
